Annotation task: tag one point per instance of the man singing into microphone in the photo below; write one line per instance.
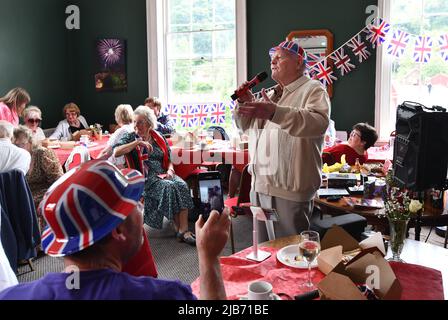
(286, 130)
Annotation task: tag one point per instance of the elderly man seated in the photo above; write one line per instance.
(11, 156)
(361, 138)
(95, 222)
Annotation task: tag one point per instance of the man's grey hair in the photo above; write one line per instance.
(6, 129)
(148, 114)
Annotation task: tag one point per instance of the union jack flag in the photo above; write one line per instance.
(86, 205)
(314, 58)
(444, 46)
(173, 111)
(359, 48)
(202, 114)
(186, 116)
(398, 43)
(377, 32)
(342, 61)
(423, 49)
(194, 121)
(323, 73)
(218, 113)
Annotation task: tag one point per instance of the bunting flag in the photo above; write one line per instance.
(359, 48)
(218, 113)
(323, 73)
(444, 47)
(202, 114)
(186, 117)
(314, 58)
(423, 49)
(342, 62)
(377, 32)
(172, 111)
(398, 43)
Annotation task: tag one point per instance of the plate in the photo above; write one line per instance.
(55, 146)
(287, 256)
(276, 297)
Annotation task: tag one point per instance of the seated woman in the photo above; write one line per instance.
(44, 169)
(164, 124)
(33, 117)
(124, 116)
(165, 193)
(12, 105)
(73, 126)
(361, 138)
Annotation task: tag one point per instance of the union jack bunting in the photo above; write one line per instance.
(194, 121)
(423, 49)
(377, 32)
(314, 58)
(202, 114)
(444, 46)
(359, 48)
(342, 62)
(173, 111)
(398, 43)
(323, 73)
(218, 113)
(186, 116)
(86, 205)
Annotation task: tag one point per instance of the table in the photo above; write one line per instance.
(94, 151)
(380, 154)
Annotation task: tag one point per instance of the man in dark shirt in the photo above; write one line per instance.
(164, 123)
(95, 222)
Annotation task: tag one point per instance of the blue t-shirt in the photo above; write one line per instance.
(104, 284)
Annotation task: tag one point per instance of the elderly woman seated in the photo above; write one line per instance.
(44, 168)
(124, 116)
(361, 138)
(165, 193)
(73, 126)
(33, 118)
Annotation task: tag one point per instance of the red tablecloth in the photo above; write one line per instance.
(419, 283)
(94, 151)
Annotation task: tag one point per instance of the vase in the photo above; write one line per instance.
(99, 135)
(398, 230)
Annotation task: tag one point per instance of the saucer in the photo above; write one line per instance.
(276, 297)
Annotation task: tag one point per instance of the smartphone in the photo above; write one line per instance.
(210, 193)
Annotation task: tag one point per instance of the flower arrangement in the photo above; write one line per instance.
(96, 128)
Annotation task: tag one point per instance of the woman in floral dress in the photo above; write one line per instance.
(165, 195)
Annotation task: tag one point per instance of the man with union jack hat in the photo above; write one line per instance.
(286, 130)
(95, 222)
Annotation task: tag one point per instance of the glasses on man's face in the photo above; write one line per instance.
(33, 121)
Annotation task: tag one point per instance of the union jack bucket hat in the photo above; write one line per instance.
(86, 204)
(292, 47)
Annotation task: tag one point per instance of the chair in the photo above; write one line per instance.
(219, 133)
(79, 155)
(7, 276)
(240, 205)
(48, 132)
(19, 229)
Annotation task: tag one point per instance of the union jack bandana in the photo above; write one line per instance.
(86, 204)
(292, 47)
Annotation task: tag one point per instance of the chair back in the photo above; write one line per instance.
(79, 155)
(219, 133)
(245, 186)
(328, 158)
(136, 160)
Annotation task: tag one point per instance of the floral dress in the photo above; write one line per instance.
(46, 169)
(163, 197)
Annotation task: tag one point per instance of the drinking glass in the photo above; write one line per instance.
(209, 137)
(309, 248)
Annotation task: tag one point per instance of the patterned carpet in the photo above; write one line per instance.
(178, 260)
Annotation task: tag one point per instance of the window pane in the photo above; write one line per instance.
(224, 44)
(179, 77)
(202, 44)
(224, 14)
(202, 17)
(178, 46)
(179, 15)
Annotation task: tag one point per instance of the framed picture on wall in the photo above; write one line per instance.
(110, 65)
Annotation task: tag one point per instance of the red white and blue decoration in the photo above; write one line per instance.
(377, 32)
(423, 49)
(83, 208)
(359, 48)
(342, 62)
(323, 73)
(443, 41)
(398, 43)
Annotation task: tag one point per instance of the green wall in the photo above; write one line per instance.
(270, 22)
(124, 19)
(33, 53)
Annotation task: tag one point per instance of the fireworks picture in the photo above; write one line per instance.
(110, 51)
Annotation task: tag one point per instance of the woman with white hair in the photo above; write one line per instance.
(44, 168)
(166, 195)
(124, 116)
(33, 117)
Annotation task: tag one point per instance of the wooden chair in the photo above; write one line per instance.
(239, 205)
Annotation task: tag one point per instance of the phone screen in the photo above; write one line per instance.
(211, 194)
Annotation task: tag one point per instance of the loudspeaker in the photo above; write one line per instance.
(421, 146)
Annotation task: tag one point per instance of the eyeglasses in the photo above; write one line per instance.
(140, 122)
(354, 133)
(70, 114)
(33, 120)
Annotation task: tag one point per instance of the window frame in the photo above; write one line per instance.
(156, 41)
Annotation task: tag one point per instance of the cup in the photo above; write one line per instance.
(260, 290)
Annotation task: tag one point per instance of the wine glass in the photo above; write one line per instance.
(309, 248)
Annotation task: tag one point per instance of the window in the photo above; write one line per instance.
(402, 79)
(197, 56)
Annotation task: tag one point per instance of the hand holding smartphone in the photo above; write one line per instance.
(211, 193)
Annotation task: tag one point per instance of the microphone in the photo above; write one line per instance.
(252, 83)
